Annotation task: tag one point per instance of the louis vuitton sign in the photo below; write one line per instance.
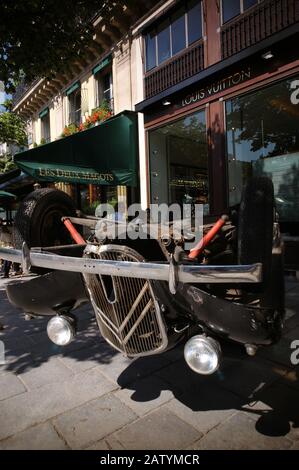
(217, 87)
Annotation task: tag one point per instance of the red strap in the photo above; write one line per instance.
(198, 249)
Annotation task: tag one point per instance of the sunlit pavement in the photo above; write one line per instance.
(87, 396)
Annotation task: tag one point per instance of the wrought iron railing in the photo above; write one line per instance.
(21, 90)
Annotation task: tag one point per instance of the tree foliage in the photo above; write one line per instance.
(39, 37)
(12, 129)
(265, 122)
(6, 163)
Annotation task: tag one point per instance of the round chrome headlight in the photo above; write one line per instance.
(202, 354)
(61, 330)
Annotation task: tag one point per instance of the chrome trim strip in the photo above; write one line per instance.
(186, 273)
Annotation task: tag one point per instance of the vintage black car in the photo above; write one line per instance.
(149, 294)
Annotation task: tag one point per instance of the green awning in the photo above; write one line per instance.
(73, 88)
(6, 195)
(44, 113)
(106, 154)
(102, 65)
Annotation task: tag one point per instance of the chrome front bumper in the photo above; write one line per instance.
(170, 272)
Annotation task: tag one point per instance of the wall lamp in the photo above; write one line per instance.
(166, 102)
(267, 55)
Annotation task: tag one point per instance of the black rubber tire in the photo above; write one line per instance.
(38, 219)
(255, 227)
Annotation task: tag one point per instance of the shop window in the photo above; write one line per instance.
(263, 140)
(104, 88)
(75, 106)
(93, 195)
(179, 162)
(174, 34)
(232, 8)
(45, 127)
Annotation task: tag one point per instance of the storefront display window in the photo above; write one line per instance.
(93, 195)
(179, 162)
(263, 139)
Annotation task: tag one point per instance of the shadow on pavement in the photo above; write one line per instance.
(267, 391)
(266, 386)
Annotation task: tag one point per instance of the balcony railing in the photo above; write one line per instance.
(22, 89)
(267, 18)
(175, 70)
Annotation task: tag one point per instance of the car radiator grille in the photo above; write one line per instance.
(128, 315)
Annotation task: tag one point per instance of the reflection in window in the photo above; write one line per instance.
(178, 33)
(263, 139)
(230, 9)
(194, 21)
(93, 195)
(150, 46)
(179, 155)
(75, 107)
(248, 3)
(163, 38)
(45, 128)
(104, 88)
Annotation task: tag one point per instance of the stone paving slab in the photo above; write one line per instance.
(48, 372)
(206, 408)
(239, 432)
(10, 385)
(87, 395)
(160, 429)
(91, 422)
(88, 357)
(45, 402)
(145, 395)
(40, 437)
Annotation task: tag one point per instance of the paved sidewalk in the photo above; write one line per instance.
(87, 396)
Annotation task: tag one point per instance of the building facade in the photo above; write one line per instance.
(216, 87)
(110, 76)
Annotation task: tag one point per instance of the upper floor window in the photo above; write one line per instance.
(45, 126)
(104, 88)
(74, 104)
(172, 35)
(232, 8)
(103, 82)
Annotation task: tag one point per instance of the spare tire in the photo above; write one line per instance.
(255, 227)
(38, 219)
